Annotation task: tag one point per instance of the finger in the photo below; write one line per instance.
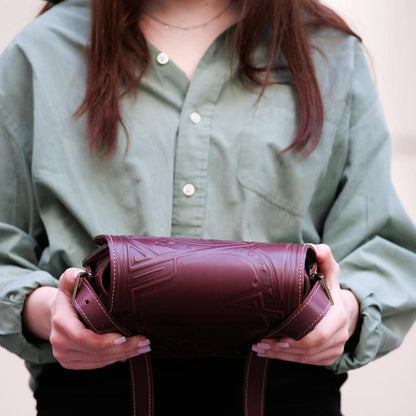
(285, 352)
(100, 351)
(115, 354)
(326, 333)
(326, 357)
(73, 335)
(113, 344)
(330, 330)
(97, 359)
(286, 348)
(70, 334)
(65, 322)
(86, 362)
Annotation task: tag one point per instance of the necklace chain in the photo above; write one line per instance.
(168, 26)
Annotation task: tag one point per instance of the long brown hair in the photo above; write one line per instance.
(117, 48)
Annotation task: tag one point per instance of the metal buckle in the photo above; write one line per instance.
(322, 280)
(80, 275)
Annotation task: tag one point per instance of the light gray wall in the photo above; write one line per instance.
(387, 386)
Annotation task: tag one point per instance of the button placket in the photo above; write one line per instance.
(193, 148)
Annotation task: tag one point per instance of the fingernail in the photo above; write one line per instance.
(282, 345)
(119, 341)
(143, 343)
(255, 348)
(263, 345)
(145, 349)
(141, 351)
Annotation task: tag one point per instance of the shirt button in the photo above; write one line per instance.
(188, 189)
(195, 117)
(162, 58)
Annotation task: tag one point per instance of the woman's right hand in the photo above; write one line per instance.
(49, 314)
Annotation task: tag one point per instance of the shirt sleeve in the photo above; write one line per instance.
(21, 229)
(370, 234)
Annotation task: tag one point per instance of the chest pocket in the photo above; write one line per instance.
(285, 180)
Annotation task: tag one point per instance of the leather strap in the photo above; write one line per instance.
(306, 316)
(96, 316)
(255, 384)
(94, 312)
(141, 376)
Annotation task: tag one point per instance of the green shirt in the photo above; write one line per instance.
(203, 160)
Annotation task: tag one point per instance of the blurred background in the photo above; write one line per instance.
(386, 386)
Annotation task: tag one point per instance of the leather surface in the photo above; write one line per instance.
(187, 294)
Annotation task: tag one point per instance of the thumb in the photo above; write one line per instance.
(68, 279)
(327, 264)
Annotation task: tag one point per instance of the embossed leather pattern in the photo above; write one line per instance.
(201, 297)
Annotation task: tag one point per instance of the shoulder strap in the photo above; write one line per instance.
(306, 316)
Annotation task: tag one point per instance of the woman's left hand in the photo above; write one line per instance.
(326, 342)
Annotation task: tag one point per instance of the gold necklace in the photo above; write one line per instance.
(168, 26)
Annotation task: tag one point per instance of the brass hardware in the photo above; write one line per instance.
(80, 275)
(322, 280)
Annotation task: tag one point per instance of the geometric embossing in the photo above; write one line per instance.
(154, 275)
(252, 302)
(135, 256)
(255, 302)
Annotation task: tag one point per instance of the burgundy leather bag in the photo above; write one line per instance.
(200, 298)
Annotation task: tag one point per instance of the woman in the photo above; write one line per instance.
(210, 119)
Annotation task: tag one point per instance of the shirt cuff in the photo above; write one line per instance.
(370, 336)
(11, 306)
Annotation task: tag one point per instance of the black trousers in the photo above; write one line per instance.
(189, 387)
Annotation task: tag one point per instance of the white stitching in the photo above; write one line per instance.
(262, 390)
(86, 317)
(246, 383)
(249, 364)
(148, 384)
(146, 357)
(300, 310)
(300, 275)
(103, 310)
(316, 320)
(114, 273)
(133, 386)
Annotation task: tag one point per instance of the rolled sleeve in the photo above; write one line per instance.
(13, 294)
(21, 227)
(370, 234)
(380, 276)
(379, 270)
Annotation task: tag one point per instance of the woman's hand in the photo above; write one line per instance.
(326, 342)
(49, 314)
